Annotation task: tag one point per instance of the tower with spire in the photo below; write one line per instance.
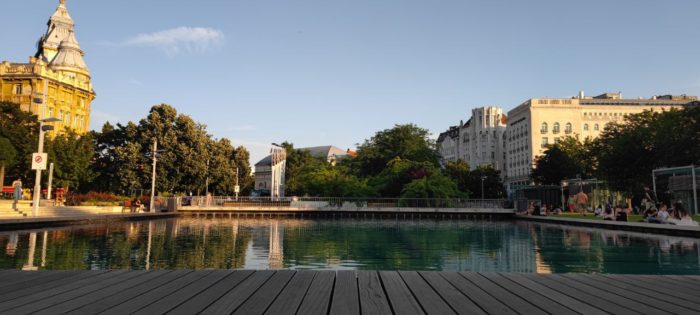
(56, 81)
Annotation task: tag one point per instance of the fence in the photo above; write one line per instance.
(328, 203)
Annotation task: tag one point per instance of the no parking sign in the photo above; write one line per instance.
(39, 161)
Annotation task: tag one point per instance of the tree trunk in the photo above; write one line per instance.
(2, 176)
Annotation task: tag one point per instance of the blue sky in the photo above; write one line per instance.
(317, 72)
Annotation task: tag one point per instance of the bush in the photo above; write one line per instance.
(95, 199)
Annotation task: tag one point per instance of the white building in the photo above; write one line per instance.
(479, 141)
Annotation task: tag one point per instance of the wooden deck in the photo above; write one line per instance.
(342, 292)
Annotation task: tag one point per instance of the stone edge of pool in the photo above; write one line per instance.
(691, 231)
(29, 223)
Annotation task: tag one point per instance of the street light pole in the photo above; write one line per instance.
(151, 205)
(37, 180)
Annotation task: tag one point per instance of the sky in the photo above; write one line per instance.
(331, 72)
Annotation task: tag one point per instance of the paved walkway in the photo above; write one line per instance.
(342, 292)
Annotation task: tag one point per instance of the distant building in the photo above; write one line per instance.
(479, 141)
(541, 121)
(56, 81)
(263, 170)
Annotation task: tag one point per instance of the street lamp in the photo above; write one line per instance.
(37, 182)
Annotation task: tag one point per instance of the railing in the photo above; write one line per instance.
(329, 203)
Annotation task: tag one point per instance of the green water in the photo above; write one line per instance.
(463, 245)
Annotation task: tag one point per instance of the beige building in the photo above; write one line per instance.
(541, 121)
(55, 82)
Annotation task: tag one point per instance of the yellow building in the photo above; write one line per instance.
(55, 82)
(541, 121)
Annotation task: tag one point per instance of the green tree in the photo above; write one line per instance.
(332, 181)
(459, 172)
(435, 186)
(407, 142)
(554, 166)
(391, 180)
(299, 163)
(493, 185)
(7, 158)
(241, 159)
(627, 152)
(22, 130)
(72, 156)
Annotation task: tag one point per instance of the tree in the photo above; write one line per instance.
(435, 186)
(241, 159)
(628, 152)
(492, 183)
(299, 163)
(332, 181)
(391, 180)
(407, 142)
(554, 166)
(72, 156)
(459, 172)
(7, 157)
(22, 130)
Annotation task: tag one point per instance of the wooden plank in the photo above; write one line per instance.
(46, 280)
(535, 298)
(611, 303)
(108, 302)
(102, 294)
(371, 293)
(579, 306)
(268, 292)
(485, 301)
(11, 277)
(318, 298)
(506, 297)
(230, 301)
(290, 298)
(211, 294)
(345, 296)
(641, 299)
(649, 291)
(176, 283)
(40, 303)
(401, 299)
(184, 293)
(684, 281)
(36, 294)
(458, 301)
(661, 283)
(429, 300)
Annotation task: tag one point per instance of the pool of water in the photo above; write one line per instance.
(362, 244)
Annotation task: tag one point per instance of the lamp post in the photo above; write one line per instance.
(37, 181)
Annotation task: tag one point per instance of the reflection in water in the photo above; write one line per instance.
(194, 243)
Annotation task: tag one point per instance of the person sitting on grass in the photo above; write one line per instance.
(662, 216)
(598, 211)
(620, 213)
(608, 214)
(686, 219)
(649, 215)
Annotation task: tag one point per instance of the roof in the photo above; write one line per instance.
(326, 152)
(69, 54)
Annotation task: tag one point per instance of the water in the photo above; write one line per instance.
(191, 243)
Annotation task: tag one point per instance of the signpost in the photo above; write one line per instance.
(39, 161)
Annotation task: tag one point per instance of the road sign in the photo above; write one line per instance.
(236, 189)
(39, 161)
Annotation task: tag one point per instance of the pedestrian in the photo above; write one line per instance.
(17, 190)
(582, 201)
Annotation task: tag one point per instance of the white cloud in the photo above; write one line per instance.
(180, 39)
(135, 82)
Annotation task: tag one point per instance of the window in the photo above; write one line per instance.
(556, 140)
(50, 112)
(544, 127)
(555, 129)
(82, 103)
(585, 127)
(596, 127)
(60, 115)
(545, 141)
(567, 128)
(18, 89)
(68, 118)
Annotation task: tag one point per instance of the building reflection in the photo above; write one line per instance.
(276, 255)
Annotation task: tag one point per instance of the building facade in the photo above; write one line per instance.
(479, 141)
(541, 121)
(55, 82)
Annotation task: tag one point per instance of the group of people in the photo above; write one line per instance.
(610, 213)
(664, 215)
